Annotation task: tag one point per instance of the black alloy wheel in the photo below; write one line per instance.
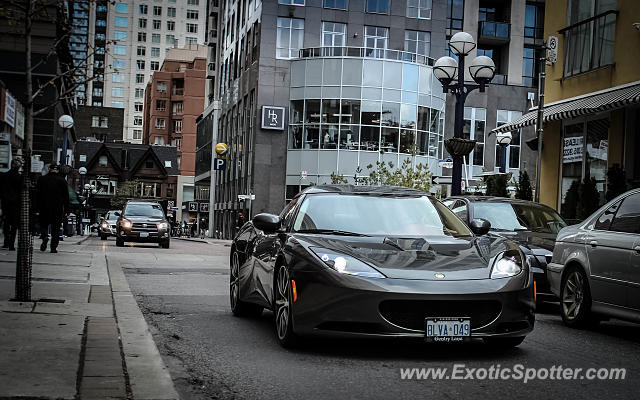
(282, 309)
(239, 307)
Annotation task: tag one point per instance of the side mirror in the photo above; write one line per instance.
(479, 226)
(268, 223)
(117, 213)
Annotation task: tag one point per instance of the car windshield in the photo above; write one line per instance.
(144, 210)
(378, 215)
(111, 216)
(513, 217)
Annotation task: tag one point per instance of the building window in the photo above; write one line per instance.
(474, 128)
(334, 34)
(142, 36)
(375, 40)
(290, 37)
(138, 107)
(455, 19)
(141, 51)
(190, 40)
(160, 123)
(513, 150)
(161, 86)
(157, 140)
(143, 9)
(157, 24)
(140, 64)
(192, 14)
(176, 107)
(137, 134)
(119, 49)
(139, 78)
(155, 65)
(377, 6)
(171, 40)
(589, 45)
(533, 21)
(150, 189)
(161, 105)
(155, 52)
(99, 121)
(292, 2)
(142, 23)
(337, 4)
(155, 38)
(139, 93)
(117, 92)
(121, 22)
(137, 120)
(177, 126)
(117, 104)
(192, 28)
(102, 161)
(171, 25)
(193, 2)
(157, 11)
(120, 35)
(117, 77)
(171, 11)
(419, 9)
(530, 66)
(417, 42)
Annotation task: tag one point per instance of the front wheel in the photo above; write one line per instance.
(119, 242)
(575, 299)
(282, 310)
(103, 236)
(239, 308)
(504, 343)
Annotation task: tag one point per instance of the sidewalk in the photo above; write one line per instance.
(204, 240)
(82, 336)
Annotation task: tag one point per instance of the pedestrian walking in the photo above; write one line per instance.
(53, 205)
(11, 188)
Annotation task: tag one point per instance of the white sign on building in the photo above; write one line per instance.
(572, 149)
(9, 109)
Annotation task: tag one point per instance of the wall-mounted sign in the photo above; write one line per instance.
(572, 150)
(204, 207)
(193, 206)
(219, 164)
(221, 148)
(552, 49)
(273, 118)
(9, 109)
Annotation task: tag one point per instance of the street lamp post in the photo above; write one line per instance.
(66, 123)
(450, 73)
(504, 140)
(82, 171)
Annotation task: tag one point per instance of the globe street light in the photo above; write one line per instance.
(66, 123)
(82, 171)
(504, 140)
(450, 73)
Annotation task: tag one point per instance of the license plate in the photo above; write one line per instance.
(448, 329)
(144, 234)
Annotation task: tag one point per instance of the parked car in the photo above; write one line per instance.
(380, 261)
(534, 226)
(142, 221)
(107, 226)
(595, 268)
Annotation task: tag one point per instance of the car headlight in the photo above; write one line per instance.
(505, 266)
(162, 225)
(345, 264)
(126, 224)
(104, 225)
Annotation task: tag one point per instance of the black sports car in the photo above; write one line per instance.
(380, 261)
(532, 225)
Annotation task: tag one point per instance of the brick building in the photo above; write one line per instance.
(102, 123)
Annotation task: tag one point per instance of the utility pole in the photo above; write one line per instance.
(540, 117)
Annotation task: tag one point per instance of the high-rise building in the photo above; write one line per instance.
(141, 33)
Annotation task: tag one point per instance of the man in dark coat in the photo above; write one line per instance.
(11, 188)
(53, 205)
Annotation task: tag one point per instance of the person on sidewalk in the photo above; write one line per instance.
(53, 205)
(11, 188)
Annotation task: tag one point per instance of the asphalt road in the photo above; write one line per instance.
(183, 293)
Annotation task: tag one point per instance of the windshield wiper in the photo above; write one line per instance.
(330, 232)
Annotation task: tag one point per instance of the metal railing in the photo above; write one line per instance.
(589, 43)
(493, 29)
(365, 52)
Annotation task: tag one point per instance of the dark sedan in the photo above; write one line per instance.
(534, 226)
(380, 262)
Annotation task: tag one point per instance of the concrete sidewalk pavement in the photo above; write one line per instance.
(82, 335)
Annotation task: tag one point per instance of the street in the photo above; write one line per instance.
(183, 293)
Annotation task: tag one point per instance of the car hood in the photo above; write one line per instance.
(542, 242)
(419, 257)
(144, 219)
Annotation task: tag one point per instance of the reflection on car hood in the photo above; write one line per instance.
(532, 240)
(421, 257)
(144, 219)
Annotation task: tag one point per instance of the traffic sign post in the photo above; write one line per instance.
(219, 164)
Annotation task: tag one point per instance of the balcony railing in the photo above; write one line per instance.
(589, 43)
(365, 52)
(178, 91)
(494, 30)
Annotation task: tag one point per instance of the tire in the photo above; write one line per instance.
(504, 343)
(119, 242)
(103, 236)
(239, 308)
(283, 316)
(165, 244)
(575, 299)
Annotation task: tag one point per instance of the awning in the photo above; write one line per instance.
(587, 104)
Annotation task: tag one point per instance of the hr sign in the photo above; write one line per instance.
(273, 118)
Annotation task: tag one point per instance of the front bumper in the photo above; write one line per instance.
(332, 304)
(139, 236)
(554, 276)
